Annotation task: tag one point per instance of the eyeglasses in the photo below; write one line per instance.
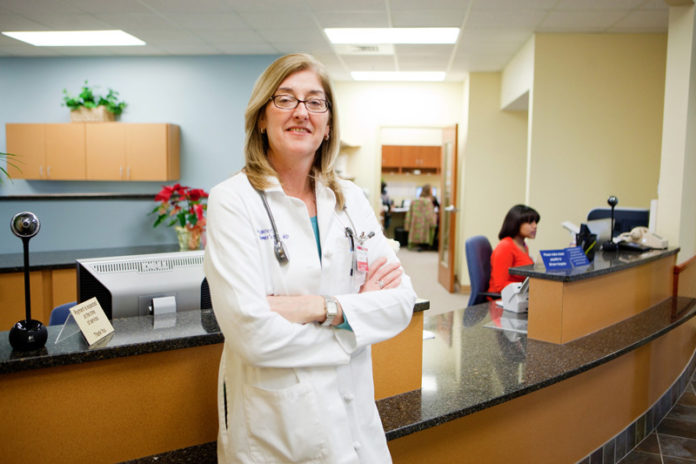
(288, 102)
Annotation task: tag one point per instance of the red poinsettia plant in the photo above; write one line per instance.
(182, 206)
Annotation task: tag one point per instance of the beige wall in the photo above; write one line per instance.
(676, 211)
(492, 164)
(518, 76)
(595, 126)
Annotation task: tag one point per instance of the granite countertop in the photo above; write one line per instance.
(65, 259)
(605, 262)
(132, 336)
(468, 367)
(473, 358)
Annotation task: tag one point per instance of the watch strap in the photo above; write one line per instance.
(331, 307)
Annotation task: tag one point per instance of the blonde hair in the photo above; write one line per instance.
(257, 167)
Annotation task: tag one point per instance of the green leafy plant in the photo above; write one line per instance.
(11, 161)
(88, 99)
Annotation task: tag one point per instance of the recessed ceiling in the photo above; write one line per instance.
(492, 31)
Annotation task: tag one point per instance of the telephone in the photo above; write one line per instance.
(642, 236)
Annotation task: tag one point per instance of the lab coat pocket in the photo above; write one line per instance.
(284, 425)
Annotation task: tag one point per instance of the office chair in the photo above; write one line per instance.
(478, 260)
(60, 313)
(206, 303)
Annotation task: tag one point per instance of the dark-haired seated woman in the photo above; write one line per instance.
(520, 223)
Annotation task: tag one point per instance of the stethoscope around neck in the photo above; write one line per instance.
(279, 247)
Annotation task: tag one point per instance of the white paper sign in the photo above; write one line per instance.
(92, 320)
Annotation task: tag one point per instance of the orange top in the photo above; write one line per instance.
(506, 255)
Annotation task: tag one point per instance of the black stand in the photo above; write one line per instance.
(27, 334)
(609, 245)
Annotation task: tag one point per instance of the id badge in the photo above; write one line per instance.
(361, 256)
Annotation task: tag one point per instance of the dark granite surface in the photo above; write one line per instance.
(468, 367)
(132, 336)
(65, 259)
(604, 262)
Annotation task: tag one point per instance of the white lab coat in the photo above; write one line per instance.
(297, 392)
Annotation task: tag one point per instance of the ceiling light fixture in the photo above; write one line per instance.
(393, 76)
(76, 38)
(393, 35)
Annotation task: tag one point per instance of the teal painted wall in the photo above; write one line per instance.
(204, 95)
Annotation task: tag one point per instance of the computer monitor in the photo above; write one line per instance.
(625, 219)
(601, 228)
(126, 285)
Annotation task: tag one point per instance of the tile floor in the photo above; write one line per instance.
(674, 439)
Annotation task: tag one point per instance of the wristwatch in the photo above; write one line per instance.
(331, 306)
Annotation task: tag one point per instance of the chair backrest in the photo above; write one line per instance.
(60, 313)
(206, 302)
(478, 260)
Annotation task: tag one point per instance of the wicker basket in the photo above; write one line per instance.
(98, 114)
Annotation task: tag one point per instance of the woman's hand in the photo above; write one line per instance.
(302, 308)
(382, 276)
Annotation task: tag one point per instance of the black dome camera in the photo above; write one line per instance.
(28, 334)
(25, 225)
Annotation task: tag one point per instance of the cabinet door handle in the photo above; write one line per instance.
(48, 172)
(128, 173)
(40, 172)
(120, 172)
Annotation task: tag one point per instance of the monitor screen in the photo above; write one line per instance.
(126, 285)
(625, 219)
(601, 228)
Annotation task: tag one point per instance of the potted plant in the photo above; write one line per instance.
(88, 106)
(184, 208)
(10, 162)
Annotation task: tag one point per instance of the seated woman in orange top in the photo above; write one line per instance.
(520, 223)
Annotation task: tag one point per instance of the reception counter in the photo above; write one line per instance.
(487, 393)
(566, 305)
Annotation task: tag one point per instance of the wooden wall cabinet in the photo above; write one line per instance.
(47, 151)
(95, 151)
(401, 158)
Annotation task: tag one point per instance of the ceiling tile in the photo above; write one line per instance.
(503, 5)
(188, 6)
(109, 6)
(352, 18)
(642, 20)
(415, 49)
(512, 18)
(580, 21)
(18, 23)
(432, 4)
(369, 63)
(597, 4)
(428, 18)
(208, 20)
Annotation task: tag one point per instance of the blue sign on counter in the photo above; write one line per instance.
(565, 259)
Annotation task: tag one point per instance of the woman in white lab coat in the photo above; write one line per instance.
(302, 282)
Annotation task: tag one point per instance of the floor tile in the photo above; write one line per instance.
(683, 412)
(677, 446)
(677, 428)
(671, 460)
(650, 444)
(640, 457)
(688, 399)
